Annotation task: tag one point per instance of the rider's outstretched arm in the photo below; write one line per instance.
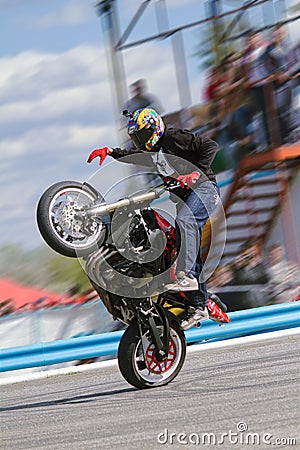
(118, 153)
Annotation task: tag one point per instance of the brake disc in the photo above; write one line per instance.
(66, 217)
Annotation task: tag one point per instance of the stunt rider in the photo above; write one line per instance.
(197, 197)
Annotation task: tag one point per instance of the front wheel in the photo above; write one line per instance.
(138, 362)
(61, 226)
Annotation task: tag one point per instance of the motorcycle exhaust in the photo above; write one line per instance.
(103, 208)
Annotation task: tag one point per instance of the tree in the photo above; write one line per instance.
(215, 43)
(66, 273)
(42, 267)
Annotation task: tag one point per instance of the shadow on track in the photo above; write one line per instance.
(69, 400)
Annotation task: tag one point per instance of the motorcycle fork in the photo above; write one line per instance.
(161, 342)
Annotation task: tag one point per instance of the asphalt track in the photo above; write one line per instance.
(237, 397)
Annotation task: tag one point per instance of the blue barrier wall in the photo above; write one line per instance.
(243, 323)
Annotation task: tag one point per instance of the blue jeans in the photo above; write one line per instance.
(192, 215)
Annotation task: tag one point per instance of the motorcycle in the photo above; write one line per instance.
(129, 251)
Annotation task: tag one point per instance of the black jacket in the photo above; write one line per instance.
(192, 150)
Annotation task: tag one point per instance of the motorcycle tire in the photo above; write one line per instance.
(141, 368)
(57, 225)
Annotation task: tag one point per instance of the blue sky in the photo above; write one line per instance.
(56, 99)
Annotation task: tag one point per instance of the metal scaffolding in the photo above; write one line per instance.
(269, 13)
(224, 20)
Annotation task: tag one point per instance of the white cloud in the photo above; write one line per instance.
(39, 88)
(61, 140)
(73, 104)
(32, 74)
(57, 107)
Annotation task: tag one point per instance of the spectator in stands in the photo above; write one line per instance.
(71, 295)
(257, 79)
(140, 98)
(222, 276)
(6, 307)
(250, 269)
(40, 303)
(87, 296)
(295, 64)
(26, 307)
(278, 64)
(231, 116)
(215, 79)
(284, 275)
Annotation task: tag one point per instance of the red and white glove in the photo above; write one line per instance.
(189, 179)
(101, 152)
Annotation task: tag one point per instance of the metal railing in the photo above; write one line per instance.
(243, 323)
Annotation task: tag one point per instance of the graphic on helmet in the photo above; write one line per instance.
(145, 128)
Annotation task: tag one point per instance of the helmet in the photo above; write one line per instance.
(145, 128)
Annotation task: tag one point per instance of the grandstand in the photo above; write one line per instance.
(259, 193)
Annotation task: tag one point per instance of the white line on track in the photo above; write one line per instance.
(244, 340)
(113, 362)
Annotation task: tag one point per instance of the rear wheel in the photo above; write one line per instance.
(138, 361)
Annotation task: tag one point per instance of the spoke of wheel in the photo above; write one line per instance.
(69, 198)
